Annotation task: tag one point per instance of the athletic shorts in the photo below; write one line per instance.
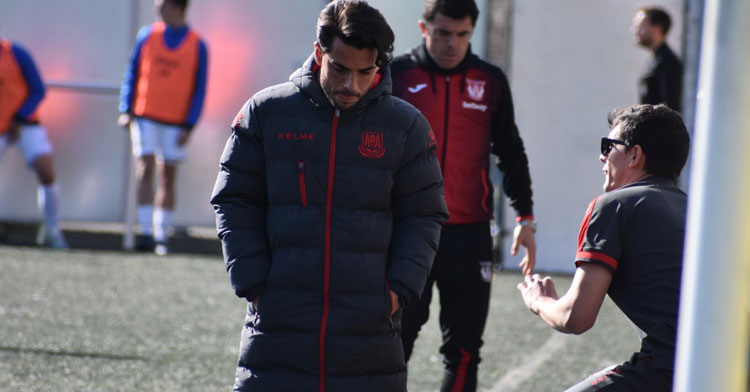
(635, 375)
(152, 138)
(32, 141)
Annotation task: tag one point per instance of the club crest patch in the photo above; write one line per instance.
(475, 88)
(485, 267)
(372, 145)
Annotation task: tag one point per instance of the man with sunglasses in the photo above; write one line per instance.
(630, 247)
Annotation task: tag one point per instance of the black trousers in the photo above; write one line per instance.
(635, 375)
(462, 271)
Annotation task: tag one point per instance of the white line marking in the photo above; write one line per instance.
(516, 376)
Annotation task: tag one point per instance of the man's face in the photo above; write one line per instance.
(166, 11)
(447, 39)
(346, 72)
(643, 30)
(616, 169)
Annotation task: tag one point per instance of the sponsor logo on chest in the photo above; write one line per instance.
(417, 88)
(296, 136)
(474, 106)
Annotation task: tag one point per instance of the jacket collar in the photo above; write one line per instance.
(306, 79)
(423, 59)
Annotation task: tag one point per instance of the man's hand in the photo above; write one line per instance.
(124, 120)
(524, 235)
(255, 303)
(395, 305)
(14, 131)
(183, 137)
(534, 288)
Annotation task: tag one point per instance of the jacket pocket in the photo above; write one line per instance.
(302, 182)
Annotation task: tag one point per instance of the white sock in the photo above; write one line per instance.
(48, 196)
(162, 223)
(145, 218)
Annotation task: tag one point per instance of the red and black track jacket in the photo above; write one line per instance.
(470, 110)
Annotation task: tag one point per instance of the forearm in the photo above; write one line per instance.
(555, 312)
(412, 252)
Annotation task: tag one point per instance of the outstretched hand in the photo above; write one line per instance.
(524, 236)
(533, 288)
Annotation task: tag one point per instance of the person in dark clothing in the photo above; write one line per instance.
(629, 246)
(468, 103)
(329, 204)
(662, 82)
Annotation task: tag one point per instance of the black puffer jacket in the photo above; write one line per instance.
(320, 213)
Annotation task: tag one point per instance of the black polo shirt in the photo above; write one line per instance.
(637, 232)
(662, 81)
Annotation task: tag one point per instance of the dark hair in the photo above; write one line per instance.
(658, 17)
(456, 9)
(357, 24)
(661, 134)
(180, 3)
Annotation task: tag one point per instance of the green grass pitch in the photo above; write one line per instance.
(114, 321)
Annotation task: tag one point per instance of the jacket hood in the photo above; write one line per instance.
(306, 79)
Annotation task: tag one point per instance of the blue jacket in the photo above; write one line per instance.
(320, 213)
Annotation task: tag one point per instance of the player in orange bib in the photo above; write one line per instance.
(160, 100)
(21, 91)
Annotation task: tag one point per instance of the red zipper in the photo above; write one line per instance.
(301, 177)
(327, 259)
(388, 296)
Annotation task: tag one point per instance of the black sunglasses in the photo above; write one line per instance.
(607, 144)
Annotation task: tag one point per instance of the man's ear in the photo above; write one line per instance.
(422, 27)
(318, 54)
(638, 158)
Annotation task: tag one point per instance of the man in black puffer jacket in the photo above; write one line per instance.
(329, 204)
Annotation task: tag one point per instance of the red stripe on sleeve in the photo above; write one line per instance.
(598, 256)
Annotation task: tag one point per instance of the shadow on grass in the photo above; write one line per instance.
(37, 351)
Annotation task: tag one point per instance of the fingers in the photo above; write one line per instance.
(514, 246)
(529, 262)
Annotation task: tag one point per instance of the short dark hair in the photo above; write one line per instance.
(658, 17)
(456, 9)
(357, 24)
(180, 3)
(660, 132)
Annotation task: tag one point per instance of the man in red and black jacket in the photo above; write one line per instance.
(468, 104)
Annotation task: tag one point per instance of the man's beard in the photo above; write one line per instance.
(330, 93)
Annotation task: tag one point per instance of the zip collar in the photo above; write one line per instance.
(306, 78)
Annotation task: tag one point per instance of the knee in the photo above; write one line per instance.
(144, 168)
(44, 170)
